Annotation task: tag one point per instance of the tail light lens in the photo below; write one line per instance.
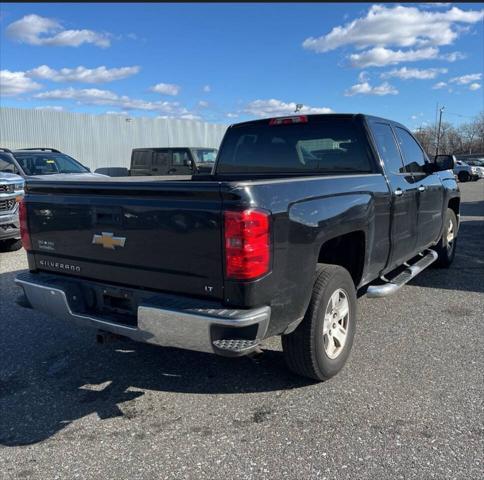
(24, 226)
(247, 244)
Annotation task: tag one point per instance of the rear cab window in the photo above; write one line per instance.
(315, 145)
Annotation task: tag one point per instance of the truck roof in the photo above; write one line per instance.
(318, 115)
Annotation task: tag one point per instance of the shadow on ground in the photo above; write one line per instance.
(66, 376)
(467, 270)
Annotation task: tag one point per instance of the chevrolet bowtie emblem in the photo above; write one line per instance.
(108, 240)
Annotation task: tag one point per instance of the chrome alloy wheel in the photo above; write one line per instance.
(335, 324)
(450, 235)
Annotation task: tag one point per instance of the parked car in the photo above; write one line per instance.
(478, 164)
(465, 172)
(300, 215)
(41, 163)
(11, 191)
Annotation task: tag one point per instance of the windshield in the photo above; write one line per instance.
(475, 163)
(319, 146)
(205, 155)
(48, 163)
(7, 165)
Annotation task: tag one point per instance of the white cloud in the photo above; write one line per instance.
(95, 96)
(207, 88)
(380, 56)
(453, 56)
(54, 108)
(399, 26)
(82, 74)
(466, 79)
(474, 86)
(116, 112)
(16, 83)
(273, 107)
(190, 116)
(363, 76)
(405, 73)
(36, 30)
(232, 115)
(366, 89)
(203, 104)
(166, 89)
(439, 85)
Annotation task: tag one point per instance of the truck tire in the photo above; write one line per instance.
(321, 344)
(447, 244)
(10, 245)
(463, 176)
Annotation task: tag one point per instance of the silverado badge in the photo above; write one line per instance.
(108, 240)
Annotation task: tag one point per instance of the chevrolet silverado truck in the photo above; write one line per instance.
(11, 191)
(299, 216)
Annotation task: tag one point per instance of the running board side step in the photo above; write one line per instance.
(391, 286)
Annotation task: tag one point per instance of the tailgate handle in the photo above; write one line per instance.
(108, 217)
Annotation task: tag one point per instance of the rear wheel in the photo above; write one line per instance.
(321, 344)
(464, 176)
(447, 244)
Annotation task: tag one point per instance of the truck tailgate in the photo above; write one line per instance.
(158, 235)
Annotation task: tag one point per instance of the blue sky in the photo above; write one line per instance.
(232, 62)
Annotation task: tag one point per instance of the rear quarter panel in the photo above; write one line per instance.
(306, 213)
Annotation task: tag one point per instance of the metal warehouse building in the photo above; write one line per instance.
(101, 140)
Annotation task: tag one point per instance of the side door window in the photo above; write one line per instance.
(182, 164)
(161, 162)
(413, 156)
(387, 148)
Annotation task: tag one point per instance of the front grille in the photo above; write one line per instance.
(7, 188)
(7, 204)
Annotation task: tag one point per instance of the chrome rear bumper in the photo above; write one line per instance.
(177, 323)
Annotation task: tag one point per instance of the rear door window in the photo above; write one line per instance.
(317, 146)
(161, 160)
(387, 148)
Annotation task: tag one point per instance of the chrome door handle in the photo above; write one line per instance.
(421, 188)
(398, 192)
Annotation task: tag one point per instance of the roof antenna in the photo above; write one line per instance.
(299, 106)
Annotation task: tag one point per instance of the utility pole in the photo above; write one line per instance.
(438, 131)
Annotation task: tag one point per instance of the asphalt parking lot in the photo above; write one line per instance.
(407, 405)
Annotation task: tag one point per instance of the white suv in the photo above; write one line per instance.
(466, 172)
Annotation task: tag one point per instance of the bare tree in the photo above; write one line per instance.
(467, 138)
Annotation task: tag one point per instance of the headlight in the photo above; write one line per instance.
(474, 170)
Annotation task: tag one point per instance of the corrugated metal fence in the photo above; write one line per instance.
(101, 140)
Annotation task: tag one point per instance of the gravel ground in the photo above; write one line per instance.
(407, 405)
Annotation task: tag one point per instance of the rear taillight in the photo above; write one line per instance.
(24, 226)
(247, 244)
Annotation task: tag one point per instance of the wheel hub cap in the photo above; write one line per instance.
(450, 234)
(335, 325)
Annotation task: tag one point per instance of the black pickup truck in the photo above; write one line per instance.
(300, 215)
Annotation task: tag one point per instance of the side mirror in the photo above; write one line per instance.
(444, 162)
